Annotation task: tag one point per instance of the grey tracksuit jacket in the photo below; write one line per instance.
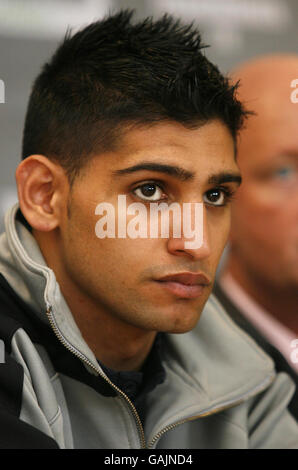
(220, 391)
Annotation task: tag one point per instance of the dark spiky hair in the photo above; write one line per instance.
(115, 73)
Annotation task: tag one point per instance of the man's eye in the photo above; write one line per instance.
(217, 196)
(149, 192)
(284, 172)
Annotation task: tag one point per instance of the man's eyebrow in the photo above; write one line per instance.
(179, 173)
(172, 170)
(225, 177)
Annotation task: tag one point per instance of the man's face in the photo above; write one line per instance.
(122, 275)
(265, 212)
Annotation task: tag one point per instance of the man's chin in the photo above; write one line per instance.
(182, 329)
(180, 323)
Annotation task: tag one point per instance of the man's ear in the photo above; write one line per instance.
(42, 189)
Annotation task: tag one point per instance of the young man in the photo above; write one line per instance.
(103, 346)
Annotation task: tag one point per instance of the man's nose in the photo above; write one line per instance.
(198, 246)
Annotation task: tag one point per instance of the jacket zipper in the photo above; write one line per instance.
(192, 418)
(209, 413)
(83, 358)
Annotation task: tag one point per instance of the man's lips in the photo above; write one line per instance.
(189, 279)
(185, 285)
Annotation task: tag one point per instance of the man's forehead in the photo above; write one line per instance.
(269, 138)
(173, 144)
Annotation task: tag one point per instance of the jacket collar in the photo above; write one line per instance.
(25, 269)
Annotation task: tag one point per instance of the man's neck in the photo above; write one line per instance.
(115, 343)
(281, 302)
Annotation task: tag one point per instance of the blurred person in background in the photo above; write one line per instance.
(258, 284)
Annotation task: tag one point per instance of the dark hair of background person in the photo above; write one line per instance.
(114, 74)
